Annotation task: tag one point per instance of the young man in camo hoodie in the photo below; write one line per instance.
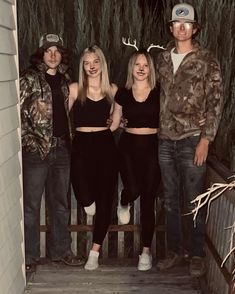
(191, 104)
(46, 134)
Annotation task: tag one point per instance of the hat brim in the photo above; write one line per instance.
(184, 19)
(51, 44)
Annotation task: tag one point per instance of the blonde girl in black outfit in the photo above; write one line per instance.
(138, 102)
(94, 157)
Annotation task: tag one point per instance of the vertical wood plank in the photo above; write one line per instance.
(43, 222)
(74, 221)
(136, 245)
(105, 246)
(121, 235)
(89, 221)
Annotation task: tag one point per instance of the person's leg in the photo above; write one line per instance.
(82, 165)
(105, 183)
(168, 161)
(193, 178)
(57, 188)
(170, 178)
(34, 177)
(150, 179)
(128, 162)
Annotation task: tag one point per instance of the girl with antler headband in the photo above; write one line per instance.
(138, 103)
(93, 165)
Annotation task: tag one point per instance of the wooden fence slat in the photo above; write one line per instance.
(43, 222)
(136, 245)
(74, 234)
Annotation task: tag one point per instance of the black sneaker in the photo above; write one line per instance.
(172, 259)
(197, 267)
(70, 259)
(30, 268)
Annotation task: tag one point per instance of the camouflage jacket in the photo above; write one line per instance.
(194, 92)
(36, 108)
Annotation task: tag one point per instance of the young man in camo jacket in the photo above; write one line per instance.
(190, 110)
(46, 134)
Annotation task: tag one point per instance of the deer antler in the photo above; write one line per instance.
(129, 44)
(155, 46)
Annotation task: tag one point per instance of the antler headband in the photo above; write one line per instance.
(128, 43)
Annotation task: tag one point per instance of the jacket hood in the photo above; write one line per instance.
(62, 68)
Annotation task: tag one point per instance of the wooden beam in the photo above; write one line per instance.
(112, 228)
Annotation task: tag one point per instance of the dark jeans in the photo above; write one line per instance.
(51, 174)
(140, 174)
(181, 178)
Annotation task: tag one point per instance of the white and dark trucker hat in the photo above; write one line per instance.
(49, 40)
(184, 12)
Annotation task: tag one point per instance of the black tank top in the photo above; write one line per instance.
(91, 113)
(139, 114)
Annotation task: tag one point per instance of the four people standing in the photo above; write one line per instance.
(191, 93)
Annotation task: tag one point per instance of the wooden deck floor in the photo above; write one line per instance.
(111, 277)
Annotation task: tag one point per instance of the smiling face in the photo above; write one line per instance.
(182, 31)
(141, 68)
(92, 65)
(52, 58)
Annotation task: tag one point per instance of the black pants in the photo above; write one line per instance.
(140, 175)
(94, 175)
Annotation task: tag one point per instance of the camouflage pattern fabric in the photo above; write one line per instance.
(194, 92)
(36, 108)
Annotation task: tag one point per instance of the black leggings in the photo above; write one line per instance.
(94, 176)
(140, 175)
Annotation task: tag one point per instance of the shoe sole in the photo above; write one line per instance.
(72, 264)
(90, 269)
(144, 268)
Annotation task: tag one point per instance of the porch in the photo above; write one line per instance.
(119, 256)
(112, 276)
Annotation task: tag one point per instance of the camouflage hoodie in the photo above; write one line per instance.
(194, 92)
(36, 108)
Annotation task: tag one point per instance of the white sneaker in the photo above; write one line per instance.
(92, 262)
(123, 213)
(90, 210)
(145, 262)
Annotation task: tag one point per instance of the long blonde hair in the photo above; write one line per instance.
(104, 79)
(131, 63)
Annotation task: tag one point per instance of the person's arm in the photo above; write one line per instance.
(114, 89)
(201, 152)
(26, 92)
(116, 116)
(214, 105)
(73, 94)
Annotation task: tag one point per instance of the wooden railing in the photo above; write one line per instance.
(222, 216)
(121, 240)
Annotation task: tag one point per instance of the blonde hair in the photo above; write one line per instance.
(104, 78)
(131, 63)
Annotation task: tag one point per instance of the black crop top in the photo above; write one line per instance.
(91, 113)
(139, 114)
